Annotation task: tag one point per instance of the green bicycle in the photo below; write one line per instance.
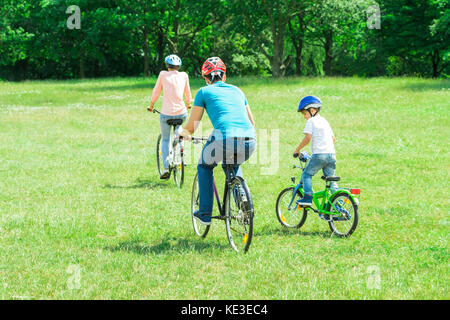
(339, 209)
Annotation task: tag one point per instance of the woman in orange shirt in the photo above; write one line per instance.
(174, 84)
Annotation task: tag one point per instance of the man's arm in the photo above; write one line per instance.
(193, 122)
(250, 115)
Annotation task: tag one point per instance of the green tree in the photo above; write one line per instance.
(267, 23)
(421, 32)
(335, 23)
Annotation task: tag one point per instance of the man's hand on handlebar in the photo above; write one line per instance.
(184, 134)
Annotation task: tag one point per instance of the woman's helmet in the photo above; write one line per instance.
(309, 102)
(214, 66)
(173, 60)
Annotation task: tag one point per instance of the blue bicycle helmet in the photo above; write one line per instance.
(309, 102)
(173, 60)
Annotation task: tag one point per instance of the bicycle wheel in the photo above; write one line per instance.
(239, 213)
(294, 217)
(178, 164)
(200, 229)
(344, 224)
(159, 160)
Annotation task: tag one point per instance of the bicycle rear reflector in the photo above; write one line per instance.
(355, 191)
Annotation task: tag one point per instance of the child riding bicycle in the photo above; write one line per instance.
(174, 84)
(319, 133)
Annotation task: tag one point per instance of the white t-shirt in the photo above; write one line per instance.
(322, 135)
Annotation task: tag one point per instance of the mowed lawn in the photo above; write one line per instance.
(83, 214)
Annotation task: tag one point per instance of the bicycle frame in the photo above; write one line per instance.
(228, 177)
(325, 195)
(216, 192)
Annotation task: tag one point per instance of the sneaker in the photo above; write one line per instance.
(306, 201)
(204, 219)
(165, 175)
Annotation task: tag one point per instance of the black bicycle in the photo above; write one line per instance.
(236, 209)
(176, 153)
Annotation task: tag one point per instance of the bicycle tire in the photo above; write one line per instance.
(199, 229)
(178, 168)
(159, 160)
(285, 217)
(348, 202)
(236, 218)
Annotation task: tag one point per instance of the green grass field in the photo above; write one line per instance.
(83, 214)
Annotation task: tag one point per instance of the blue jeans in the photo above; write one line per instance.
(324, 161)
(165, 136)
(229, 151)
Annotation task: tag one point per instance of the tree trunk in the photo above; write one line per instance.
(146, 53)
(297, 41)
(160, 46)
(82, 72)
(328, 52)
(435, 60)
(298, 59)
(277, 65)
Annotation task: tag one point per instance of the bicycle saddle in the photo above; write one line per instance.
(331, 178)
(174, 122)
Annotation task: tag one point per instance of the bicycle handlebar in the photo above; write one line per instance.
(302, 157)
(199, 139)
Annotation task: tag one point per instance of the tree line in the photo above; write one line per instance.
(253, 37)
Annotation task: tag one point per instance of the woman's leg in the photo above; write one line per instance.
(165, 140)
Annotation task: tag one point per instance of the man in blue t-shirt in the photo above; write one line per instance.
(233, 139)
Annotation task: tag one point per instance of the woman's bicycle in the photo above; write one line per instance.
(339, 209)
(176, 153)
(236, 209)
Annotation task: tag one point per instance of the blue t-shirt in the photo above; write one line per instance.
(225, 106)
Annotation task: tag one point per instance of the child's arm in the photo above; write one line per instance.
(304, 143)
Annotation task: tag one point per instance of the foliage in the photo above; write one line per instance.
(302, 37)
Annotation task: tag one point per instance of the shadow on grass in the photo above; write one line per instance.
(166, 245)
(141, 184)
(438, 85)
(282, 231)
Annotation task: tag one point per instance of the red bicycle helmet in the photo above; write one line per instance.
(213, 66)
